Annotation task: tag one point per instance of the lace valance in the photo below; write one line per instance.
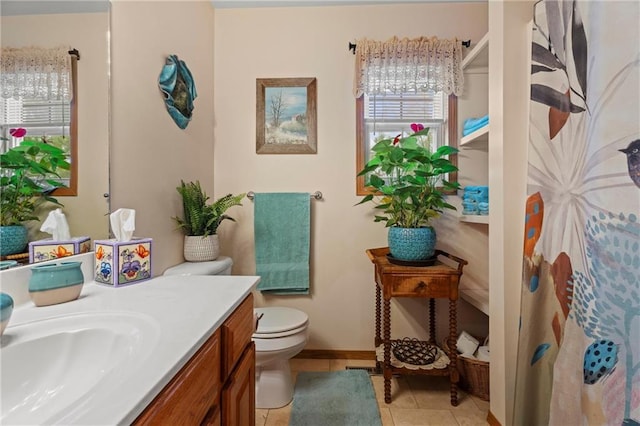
(408, 65)
(36, 72)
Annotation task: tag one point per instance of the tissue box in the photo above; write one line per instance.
(121, 263)
(48, 249)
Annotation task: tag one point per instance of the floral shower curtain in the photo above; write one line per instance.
(579, 347)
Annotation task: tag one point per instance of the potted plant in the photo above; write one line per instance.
(408, 186)
(28, 176)
(201, 221)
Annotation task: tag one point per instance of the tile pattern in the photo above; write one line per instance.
(416, 400)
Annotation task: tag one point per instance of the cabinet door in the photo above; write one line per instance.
(212, 418)
(191, 393)
(236, 334)
(238, 395)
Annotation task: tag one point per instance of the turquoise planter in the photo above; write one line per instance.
(55, 283)
(56, 275)
(412, 243)
(13, 239)
(6, 308)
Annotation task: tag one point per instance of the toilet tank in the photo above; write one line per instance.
(221, 266)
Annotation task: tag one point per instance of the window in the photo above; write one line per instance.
(49, 120)
(385, 116)
(55, 120)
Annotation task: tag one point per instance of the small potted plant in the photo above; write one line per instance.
(29, 174)
(408, 186)
(201, 221)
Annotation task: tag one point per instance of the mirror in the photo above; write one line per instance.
(82, 25)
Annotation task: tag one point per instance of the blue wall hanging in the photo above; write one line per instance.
(176, 82)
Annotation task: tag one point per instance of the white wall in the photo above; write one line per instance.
(86, 32)
(312, 42)
(509, 67)
(150, 154)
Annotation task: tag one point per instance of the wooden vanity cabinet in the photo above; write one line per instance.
(238, 395)
(217, 385)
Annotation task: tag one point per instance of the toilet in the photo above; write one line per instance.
(281, 334)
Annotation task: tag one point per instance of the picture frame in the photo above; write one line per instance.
(286, 116)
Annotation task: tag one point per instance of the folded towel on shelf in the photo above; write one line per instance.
(282, 236)
(466, 132)
(470, 207)
(476, 193)
(475, 122)
(470, 125)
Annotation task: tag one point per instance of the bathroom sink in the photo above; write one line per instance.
(53, 369)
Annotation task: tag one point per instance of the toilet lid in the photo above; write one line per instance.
(213, 267)
(279, 319)
(288, 333)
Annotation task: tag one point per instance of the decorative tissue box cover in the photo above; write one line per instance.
(121, 263)
(48, 249)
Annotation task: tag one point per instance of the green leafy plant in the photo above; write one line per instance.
(201, 218)
(28, 176)
(404, 178)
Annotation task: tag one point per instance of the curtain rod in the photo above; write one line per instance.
(75, 53)
(352, 46)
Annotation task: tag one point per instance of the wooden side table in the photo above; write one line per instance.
(431, 282)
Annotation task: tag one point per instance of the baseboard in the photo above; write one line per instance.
(491, 419)
(332, 354)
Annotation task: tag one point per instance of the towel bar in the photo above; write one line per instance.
(317, 195)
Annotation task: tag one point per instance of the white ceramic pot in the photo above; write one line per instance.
(201, 249)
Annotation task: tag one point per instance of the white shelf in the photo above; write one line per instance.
(478, 57)
(475, 219)
(478, 297)
(480, 136)
(474, 104)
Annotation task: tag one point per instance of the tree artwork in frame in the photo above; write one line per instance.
(286, 116)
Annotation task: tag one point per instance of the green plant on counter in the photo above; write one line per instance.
(405, 177)
(201, 218)
(30, 172)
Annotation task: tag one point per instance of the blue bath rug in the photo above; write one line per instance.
(334, 398)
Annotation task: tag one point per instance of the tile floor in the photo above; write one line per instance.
(416, 400)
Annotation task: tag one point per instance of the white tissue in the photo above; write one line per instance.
(123, 223)
(56, 225)
(467, 344)
(483, 353)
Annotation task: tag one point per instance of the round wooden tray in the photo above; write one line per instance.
(426, 262)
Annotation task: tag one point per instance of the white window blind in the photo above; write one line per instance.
(416, 108)
(386, 116)
(38, 117)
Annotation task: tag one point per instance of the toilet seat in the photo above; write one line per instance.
(281, 334)
(279, 322)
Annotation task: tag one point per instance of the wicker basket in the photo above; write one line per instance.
(474, 375)
(201, 249)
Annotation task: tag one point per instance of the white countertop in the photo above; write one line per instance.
(187, 311)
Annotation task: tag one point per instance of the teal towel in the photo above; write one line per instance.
(282, 235)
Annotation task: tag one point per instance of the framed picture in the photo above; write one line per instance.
(286, 116)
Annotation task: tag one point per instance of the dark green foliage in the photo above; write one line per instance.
(405, 176)
(201, 218)
(27, 178)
